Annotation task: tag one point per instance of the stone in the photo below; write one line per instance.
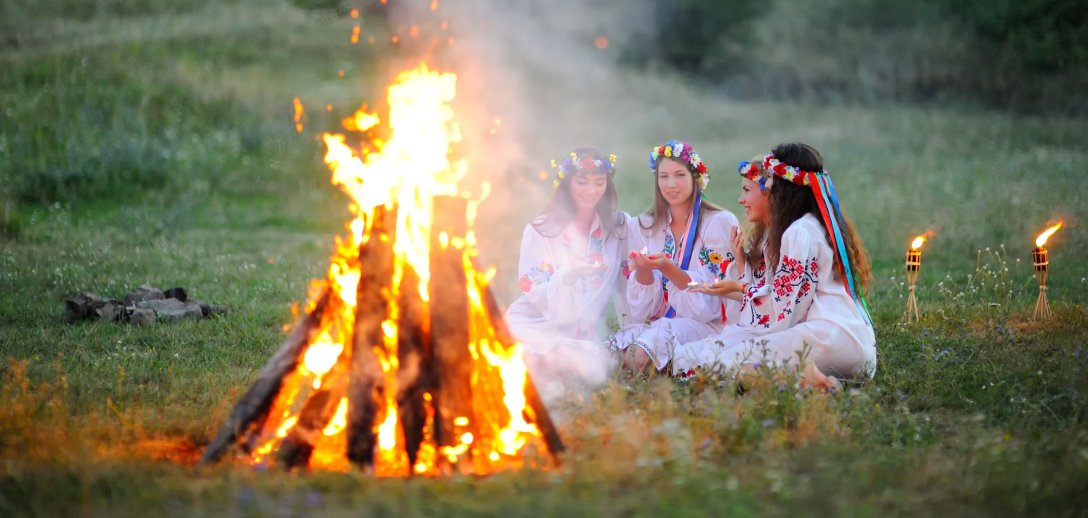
(177, 293)
(109, 310)
(81, 306)
(141, 317)
(172, 310)
(143, 293)
(212, 310)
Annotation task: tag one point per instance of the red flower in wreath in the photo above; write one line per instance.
(525, 283)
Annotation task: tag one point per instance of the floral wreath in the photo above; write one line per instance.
(574, 164)
(683, 152)
(762, 170)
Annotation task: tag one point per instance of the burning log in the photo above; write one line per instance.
(256, 402)
(372, 306)
(450, 325)
(415, 378)
(540, 415)
(314, 417)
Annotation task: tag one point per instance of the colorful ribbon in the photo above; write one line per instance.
(824, 190)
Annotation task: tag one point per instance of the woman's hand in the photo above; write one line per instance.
(647, 262)
(720, 288)
(579, 270)
(738, 249)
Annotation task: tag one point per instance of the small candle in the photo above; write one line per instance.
(693, 284)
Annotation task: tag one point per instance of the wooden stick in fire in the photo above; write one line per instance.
(542, 419)
(257, 401)
(415, 377)
(371, 309)
(296, 448)
(450, 325)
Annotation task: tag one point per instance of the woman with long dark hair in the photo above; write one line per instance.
(682, 241)
(571, 266)
(805, 273)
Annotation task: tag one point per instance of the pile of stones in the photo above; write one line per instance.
(142, 306)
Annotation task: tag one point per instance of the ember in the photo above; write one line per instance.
(402, 363)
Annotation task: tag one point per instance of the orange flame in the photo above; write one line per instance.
(917, 243)
(1041, 240)
(408, 170)
(300, 113)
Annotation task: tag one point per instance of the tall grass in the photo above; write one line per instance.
(156, 146)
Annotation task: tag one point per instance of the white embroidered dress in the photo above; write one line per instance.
(551, 312)
(801, 305)
(696, 314)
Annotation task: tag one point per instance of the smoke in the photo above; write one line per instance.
(536, 80)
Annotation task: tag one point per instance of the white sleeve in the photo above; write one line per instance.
(709, 262)
(619, 293)
(643, 300)
(540, 284)
(781, 299)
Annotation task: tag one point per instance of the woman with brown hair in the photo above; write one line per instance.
(804, 276)
(571, 266)
(682, 241)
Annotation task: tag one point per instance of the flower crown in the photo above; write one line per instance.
(584, 164)
(683, 152)
(762, 170)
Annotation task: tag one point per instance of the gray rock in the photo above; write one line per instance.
(212, 310)
(141, 317)
(81, 306)
(143, 293)
(172, 310)
(177, 293)
(109, 310)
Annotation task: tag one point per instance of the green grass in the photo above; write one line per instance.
(137, 150)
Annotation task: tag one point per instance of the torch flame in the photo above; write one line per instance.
(1041, 240)
(917, 242)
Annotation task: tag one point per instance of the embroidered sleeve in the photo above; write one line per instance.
(780, 299)
(535, 263)
(539, 284)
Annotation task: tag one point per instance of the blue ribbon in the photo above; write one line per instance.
(831, 200)
(689, 240)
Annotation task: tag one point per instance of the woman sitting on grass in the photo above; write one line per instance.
(682, 240)
(801, 289)
(571, 264)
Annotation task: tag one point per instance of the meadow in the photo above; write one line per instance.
(154, 142)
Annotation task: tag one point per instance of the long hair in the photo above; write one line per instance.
(560, 209)
(789, 202)
(658, 212)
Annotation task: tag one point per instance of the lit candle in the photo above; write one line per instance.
(913, 266)
(1041, 263)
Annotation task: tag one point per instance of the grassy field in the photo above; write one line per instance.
(153, 142)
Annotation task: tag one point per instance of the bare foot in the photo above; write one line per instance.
(636, 360)
(812, 378)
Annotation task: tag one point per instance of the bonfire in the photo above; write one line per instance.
(401, 363)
